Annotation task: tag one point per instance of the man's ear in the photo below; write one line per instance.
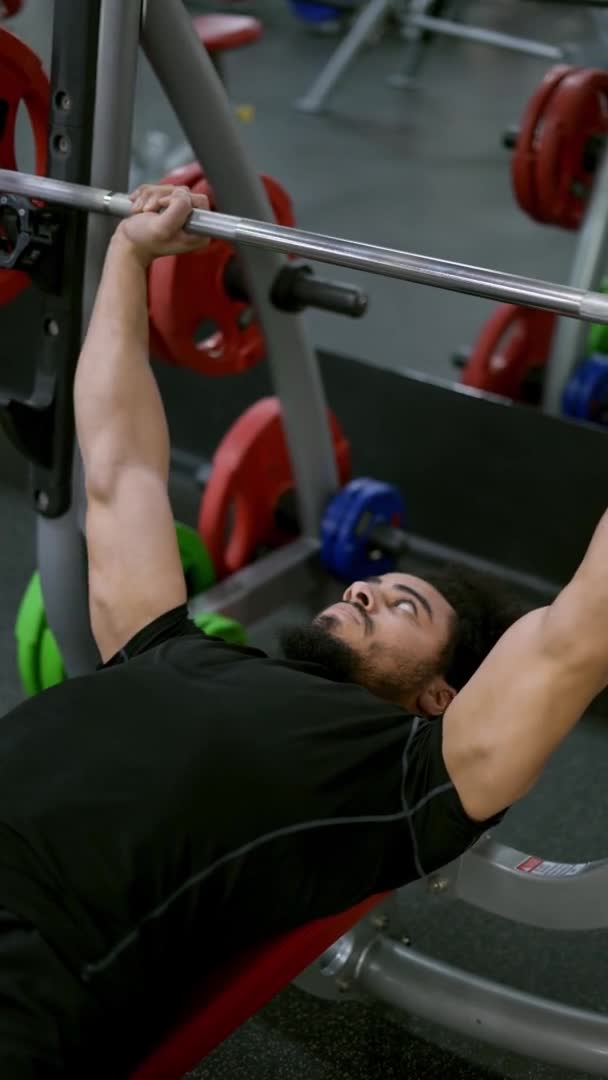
(434, 699)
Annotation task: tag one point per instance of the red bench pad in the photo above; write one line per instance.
(241, 989)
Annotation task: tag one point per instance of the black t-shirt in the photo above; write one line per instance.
(201, 797)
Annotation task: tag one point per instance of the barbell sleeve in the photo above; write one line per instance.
(420, 269)
(296, 288)
(389, 540)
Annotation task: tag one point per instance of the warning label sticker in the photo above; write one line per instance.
(544, 868)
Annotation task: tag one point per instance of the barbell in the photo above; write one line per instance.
(420, 269)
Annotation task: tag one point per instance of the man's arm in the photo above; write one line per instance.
(531, 690)
(135, 572)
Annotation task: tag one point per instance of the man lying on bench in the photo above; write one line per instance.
(193, 798)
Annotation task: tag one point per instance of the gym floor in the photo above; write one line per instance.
(424, 171)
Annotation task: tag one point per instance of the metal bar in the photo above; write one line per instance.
(485, 37)
(61, 549)
(416, 45)
(430, 549)
(407, 266)
(119, 31)
(258, 590)
(589, 266)
(484, 1010)
(347, 51)
(526, 889)
(206, 116)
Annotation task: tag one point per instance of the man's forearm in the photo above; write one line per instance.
(119, 413)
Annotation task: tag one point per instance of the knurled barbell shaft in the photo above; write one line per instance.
(420, 269)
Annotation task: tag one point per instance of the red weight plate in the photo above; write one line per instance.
(251, 471)
(577, 112)
(22, 79)
(9, 8)
(528, 139)
(511, 342)
(200, 325)
(185, 176)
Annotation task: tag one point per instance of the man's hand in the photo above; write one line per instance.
(156, 225)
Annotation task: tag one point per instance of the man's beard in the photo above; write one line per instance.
(315, 644)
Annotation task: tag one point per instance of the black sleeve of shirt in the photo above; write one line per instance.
(171, 624)
(439, 827)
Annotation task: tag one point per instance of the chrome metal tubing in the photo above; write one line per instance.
(420, 269)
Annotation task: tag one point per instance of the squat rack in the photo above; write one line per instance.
(491, 876)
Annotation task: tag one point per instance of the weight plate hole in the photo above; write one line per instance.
(24, 139)
(245, 318)
(8, 231)
(3, 115)
(209, 338)
(363, 523)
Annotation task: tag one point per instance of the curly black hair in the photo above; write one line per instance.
(484, 608)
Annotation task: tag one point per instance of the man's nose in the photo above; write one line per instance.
(361, 592)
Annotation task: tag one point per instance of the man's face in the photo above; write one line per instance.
(388, 634)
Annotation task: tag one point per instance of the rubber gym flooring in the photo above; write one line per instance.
(424, 171)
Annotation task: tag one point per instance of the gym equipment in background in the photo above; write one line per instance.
(597, 338)
(8, 8)
(362, 530)
(22, 81)
(39, 659)
(585, 394)
(510, 353)
(248, 505)
(219, 33)
(559, 173)
(419, 24)
(559, 144)
(251, 475)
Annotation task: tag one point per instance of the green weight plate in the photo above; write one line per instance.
(29, 627)
(597, 338)
(196, 560)
(50, 663)
(39, 660)
(220, 626)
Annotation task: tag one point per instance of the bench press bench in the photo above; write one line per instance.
(227, 998)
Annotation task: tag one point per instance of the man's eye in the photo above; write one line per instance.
(407, 605)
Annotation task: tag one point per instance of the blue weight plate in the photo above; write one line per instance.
(315, 13)
(585, 395)
(343, 565)
(351, 517)
(331, 525)
(373, 503)
(578, 390)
